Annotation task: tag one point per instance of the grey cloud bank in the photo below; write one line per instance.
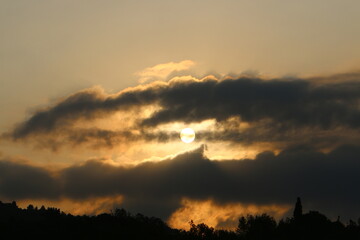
(326, 182)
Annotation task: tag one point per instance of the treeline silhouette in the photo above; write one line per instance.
(51, 223)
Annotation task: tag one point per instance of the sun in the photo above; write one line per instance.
(187, 135)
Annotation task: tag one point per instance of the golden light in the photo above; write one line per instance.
(187, 135)
(221, 216)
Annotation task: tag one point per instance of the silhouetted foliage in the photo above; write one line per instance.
(51, 223)
(257, 227)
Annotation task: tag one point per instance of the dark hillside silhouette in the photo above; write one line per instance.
(51, 223)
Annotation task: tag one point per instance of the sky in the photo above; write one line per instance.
(94, 94)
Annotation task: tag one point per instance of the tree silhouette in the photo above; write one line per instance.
(298, 209)
(257, 227)
(51, 223)
(201, 231)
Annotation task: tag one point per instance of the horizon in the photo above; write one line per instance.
(296, 212)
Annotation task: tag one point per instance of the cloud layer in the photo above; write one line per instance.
(324, 109)
(326, 182)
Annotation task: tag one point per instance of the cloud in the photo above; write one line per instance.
(97, 138)
(21, 181)
(162, 71)
(293, 102)
(275, 110)
(326, 181)
(278, 134)
(85, 105)
(224, 216)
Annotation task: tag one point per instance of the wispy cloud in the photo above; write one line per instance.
(162, 71)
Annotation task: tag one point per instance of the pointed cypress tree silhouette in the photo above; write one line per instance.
(298, 209)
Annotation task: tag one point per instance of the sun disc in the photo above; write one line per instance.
(187, 135)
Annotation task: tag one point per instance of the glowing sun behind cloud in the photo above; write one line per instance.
(187, 135)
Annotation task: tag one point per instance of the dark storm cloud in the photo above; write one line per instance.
(296, 103)
(325, 181)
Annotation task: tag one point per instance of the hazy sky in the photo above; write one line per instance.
(111, 83)
(51, 48)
